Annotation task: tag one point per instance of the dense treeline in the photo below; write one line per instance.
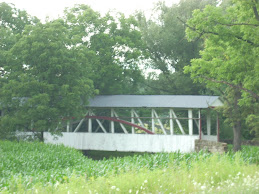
(56, 66)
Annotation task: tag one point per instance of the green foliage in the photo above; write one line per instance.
(50, 168)
(115, 44)
(15, 19)
(12, 24)
(168, 180)
(169, 49)
(48, 71)
(44, 80)
(229, 61)
(249, 154)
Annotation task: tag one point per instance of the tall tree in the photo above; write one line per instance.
(116, 45)
(169, 49)
(44, 79)
(229, 61)
(15, 19)
(12, 24)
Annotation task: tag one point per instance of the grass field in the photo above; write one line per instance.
(33, 167)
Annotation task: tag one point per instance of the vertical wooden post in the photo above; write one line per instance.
(132, 121)
(218, 127)
(68, 126)
(190, 121)
(153, 120)
(200, 124)
(90, 122)
(112, 122)
(171, 122)
(208, 122)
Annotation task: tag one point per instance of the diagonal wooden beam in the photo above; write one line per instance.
(122, 126)
(178, 122)
(98, 121)
(80, 123)
(159, 121)
(101, 125)
(140, 122)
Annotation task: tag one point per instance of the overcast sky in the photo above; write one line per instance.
(54, 8)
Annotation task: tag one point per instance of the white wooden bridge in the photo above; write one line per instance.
(142, 123)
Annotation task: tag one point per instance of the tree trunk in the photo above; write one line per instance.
(237, 136)
(41, 136)
(237, 127)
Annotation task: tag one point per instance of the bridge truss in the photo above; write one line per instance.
(152, 121)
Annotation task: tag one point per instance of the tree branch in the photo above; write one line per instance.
(254, 95)
(238, 24)
(255, 10)
(215, 33)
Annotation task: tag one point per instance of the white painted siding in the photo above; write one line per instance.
(125, 142)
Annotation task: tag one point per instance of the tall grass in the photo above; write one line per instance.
(51, 168)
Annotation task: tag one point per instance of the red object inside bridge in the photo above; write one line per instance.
(120, 121)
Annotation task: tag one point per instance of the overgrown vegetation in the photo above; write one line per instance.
(45, 168)
(48, 70)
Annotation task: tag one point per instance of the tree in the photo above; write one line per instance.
(12, 24)
(49, 71)
(229, 61)
(15, 19)
(44, 79)
(169, 49)
(115, 44)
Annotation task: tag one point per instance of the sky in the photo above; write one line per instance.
(54, 8)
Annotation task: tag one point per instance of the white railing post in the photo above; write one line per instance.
(112, 122)
(90, 123)
(171, 122)
(190, 121)
(200, 131)
(132, 120)
(68, 126)
(208, 122)
(153, 120)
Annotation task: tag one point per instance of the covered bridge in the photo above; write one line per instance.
(143, 123)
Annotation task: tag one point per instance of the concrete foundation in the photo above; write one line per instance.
(214, 147)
